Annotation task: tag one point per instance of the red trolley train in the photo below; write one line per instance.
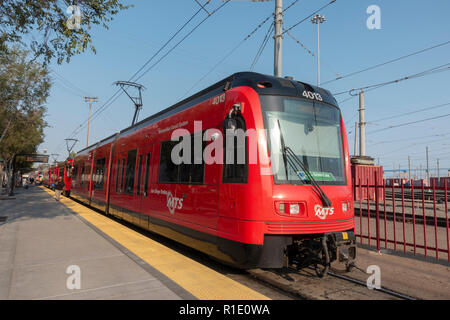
(59, 170)
(246, 214)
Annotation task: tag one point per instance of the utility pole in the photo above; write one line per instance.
(278, 21)
(409, 167)
(438, 174)
(89, 100)
(428, 169)
(362, 125)
(318, 19)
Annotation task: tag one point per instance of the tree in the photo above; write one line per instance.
(24, 89)
(55, 21)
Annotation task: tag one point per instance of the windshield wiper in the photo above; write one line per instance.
(283, 147)
(290, 157)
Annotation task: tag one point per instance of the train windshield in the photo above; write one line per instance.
(312, 131)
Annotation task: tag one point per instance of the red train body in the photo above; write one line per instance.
(60, 170)
(232, 212)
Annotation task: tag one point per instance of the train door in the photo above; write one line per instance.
(143, 182)
(120, 187)
(234, 176)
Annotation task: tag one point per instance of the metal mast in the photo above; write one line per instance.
(89, 100)
(318, 19)
(278, 21)
(362, 125)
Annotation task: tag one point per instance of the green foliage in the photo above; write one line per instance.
(24, 89)
(46, 20)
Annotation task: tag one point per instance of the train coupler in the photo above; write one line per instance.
(346, 249)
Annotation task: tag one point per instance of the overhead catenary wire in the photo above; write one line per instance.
(395, 154)
(387, 62)
(410, 139)
(308, 50)
(165, 44)
(167, 53)
(262, 46)
(432, 151)
(306, 18)
(300, 43)
(227, 55)
(441, 68)
(184, 38)
(68, 89)
(114, 96)
(69, 85)
(409, 123)
(413, 112)
(235, 48)
(117, 94)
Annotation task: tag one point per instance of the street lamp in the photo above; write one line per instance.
(318, 19)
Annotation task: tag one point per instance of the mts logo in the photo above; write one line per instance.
(173, 203)
(323, 213)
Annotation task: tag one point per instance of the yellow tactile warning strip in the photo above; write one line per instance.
(201, 281)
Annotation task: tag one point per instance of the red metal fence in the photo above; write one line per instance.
(403, 217)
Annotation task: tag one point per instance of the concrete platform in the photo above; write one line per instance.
(41, 238)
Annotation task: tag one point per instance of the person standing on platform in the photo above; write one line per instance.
(59, 188)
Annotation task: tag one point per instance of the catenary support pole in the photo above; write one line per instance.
(89, 100)
(362, 125)
(278, 38)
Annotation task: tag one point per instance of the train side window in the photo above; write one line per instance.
(192, 173)
(236, 172)
(138, 186)
(185, 173)
(99, 175)
(130, 171)
(147, 174)
(168, 171)
(75, 172)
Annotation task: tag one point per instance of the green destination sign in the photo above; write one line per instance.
(319, 176)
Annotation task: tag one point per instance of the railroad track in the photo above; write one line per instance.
(306, 285)
(428, 195)
(362, 283)
(430, 221)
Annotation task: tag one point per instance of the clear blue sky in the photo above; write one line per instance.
(347, 45)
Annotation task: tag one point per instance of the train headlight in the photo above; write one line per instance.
(294, 209)
(344, 206)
